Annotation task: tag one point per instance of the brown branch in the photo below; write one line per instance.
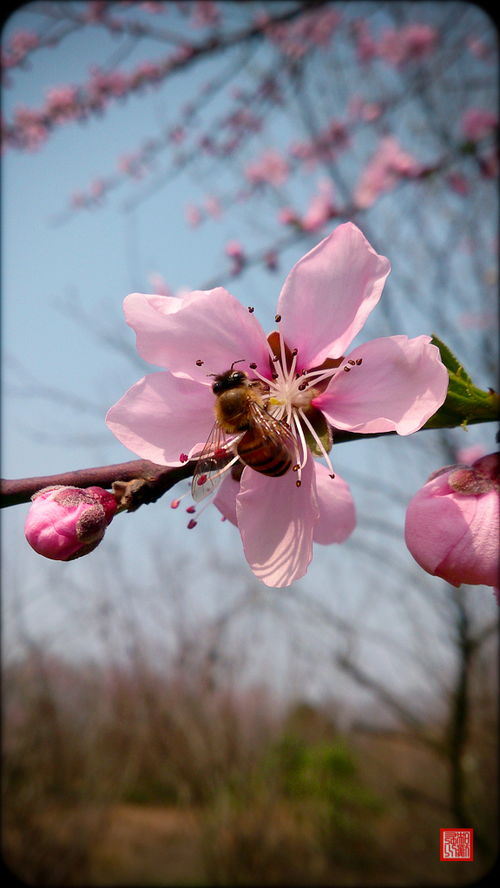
(144, 482)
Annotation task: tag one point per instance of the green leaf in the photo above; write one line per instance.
(449, 360)
(465, 403)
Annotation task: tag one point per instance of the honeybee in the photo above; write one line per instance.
(243, 430)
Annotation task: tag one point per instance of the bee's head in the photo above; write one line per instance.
(228, 380)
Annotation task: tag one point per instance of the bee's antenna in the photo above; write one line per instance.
(239, 361)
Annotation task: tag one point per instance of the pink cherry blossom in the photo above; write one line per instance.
(383, 171)
(390, 384)
(64, 523)
(271, 167)
(477, 123)
(452, 523)
(321, 207)
(411, 43)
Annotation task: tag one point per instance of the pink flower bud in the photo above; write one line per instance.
(64, 523)
(452, 523)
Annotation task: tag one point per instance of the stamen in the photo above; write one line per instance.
(277, 318)
(319, 375)
(253, 366)
(251, 309)
(199, 362)
(347, 369)
(183, 457)
(191, 510)
(318, 441)
(352, 363)
(302, 440)
(192, 524)
(359, 361)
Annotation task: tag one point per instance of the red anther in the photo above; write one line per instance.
(253, 366)
(175, 504)
(332, 475)
(199, 362)
(201, 480)
(191, 509)
(183, 457)
(192, 523)
(251, 309)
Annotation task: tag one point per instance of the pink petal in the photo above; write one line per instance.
(276, 521)
(399, 385)
(454, 536)
(204, 325)
(337, 516)
(225, 498)
(162, 416)
(329, 294)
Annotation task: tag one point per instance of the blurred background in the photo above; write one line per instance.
(167, 718)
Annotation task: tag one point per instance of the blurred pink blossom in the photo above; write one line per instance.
(193, 215)
(458, 183)
(386, 167)
(62, 103)
(205, 14)
(321, 207)
(366, 47)
(271, 167)
(311, 29)
(409, 43)
(477, 123)
(213, 206)
(452, 523)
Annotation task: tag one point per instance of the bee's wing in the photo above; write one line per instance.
(273, 429)
(214, 460)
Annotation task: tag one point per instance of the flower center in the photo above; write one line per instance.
(291, 396)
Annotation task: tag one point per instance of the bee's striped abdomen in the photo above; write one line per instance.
(264, 455)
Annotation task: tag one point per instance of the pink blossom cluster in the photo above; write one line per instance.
(30, 127)
(361, 109)
(332, 139)
(19, 46)
(314, 29)
(205, 14)
(387, 166)
(477, 123)
(271, 168)
(212, 208)
(396, 46)
(236, 253)
(320, 210)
